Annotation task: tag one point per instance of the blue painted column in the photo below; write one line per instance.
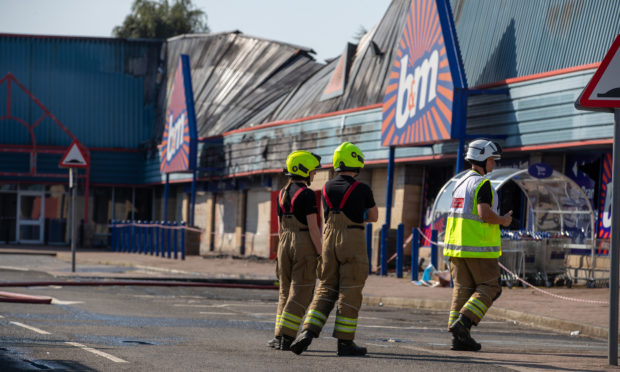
(400, 232)
(434, 253)
(415, 250)
(192, 202)
(383, 253)
(166, 190)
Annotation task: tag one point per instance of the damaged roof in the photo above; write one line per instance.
(235, 77)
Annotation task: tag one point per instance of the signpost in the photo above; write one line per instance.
(603, 94)
(73, 158)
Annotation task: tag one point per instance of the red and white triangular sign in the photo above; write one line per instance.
(74, 157)
(603, 90)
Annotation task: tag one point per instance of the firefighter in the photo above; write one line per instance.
(473, 244)
(347, 205)
(299, 246)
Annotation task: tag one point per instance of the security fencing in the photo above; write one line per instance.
(168, 239)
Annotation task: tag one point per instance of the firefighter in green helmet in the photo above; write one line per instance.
(347, 205)
(299, 246)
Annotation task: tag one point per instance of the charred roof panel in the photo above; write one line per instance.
(236, 76)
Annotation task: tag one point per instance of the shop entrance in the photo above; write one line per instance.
(30, 216)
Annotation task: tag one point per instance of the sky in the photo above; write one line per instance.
(323, 25)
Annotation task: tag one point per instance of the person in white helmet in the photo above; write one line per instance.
(473, 243)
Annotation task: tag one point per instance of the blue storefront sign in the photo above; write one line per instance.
(178, 153)
(423, 102)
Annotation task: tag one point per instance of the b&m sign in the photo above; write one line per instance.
(420, 102)
(178, 147)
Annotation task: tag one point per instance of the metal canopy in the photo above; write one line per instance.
(553, 204)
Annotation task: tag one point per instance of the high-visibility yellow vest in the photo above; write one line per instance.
(466, 234)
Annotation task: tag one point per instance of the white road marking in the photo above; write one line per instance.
(97, 352)
(56, 301)
(40, 331)
(1, 316)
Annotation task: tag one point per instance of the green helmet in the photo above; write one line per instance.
(301, 163)
(348, 157)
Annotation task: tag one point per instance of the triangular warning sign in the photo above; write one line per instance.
(603, 90)
(74, 157)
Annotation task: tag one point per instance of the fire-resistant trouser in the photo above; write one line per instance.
(342, 276)
(476, 286)
(296, 270)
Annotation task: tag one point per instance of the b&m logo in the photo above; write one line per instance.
(178, 153)
(177, 135)
(417, 105)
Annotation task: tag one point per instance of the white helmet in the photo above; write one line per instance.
(482, 149)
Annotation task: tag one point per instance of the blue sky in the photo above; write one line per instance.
(323, 25)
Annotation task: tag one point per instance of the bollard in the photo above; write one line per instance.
(415, 247)
(125, 243)
(175, 239)
(369, 246)
(151, 241)
(434, 249)
(383, 255)
(168, 239)
(160, 238)
(400, 231)
(183, 240)
(112, 235)
(138, 236)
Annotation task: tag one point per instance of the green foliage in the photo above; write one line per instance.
(157, 19)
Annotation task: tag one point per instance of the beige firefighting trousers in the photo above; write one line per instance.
(342, 276)
(296, 270)
(476, 286)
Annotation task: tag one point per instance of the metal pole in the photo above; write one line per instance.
(73, 185)
(192, 203)
(400, 232)
(459, 155)
(615, 230)
(434, 255)
(390, 182)
(166, 188)
(415, 248)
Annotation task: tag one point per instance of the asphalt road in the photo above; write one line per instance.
(131, 328)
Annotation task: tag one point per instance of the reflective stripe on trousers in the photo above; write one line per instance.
(343, 275)
(296, 266)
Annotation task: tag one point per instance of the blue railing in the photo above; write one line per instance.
(156, 238)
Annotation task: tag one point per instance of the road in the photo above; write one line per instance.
(134, 328)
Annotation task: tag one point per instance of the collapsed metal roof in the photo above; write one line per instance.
(235, 77)
(241, 81)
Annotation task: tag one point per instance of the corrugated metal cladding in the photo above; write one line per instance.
(103, 90)
(539, 112)
(235, 77)
(511, 38)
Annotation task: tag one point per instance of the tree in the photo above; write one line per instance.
(156, 19)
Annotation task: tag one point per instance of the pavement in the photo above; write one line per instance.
(577, 311)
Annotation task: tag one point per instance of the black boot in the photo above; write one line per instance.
(286, 342)
(275, 342)
(302, 341)
(348, 348)
(461, 335)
